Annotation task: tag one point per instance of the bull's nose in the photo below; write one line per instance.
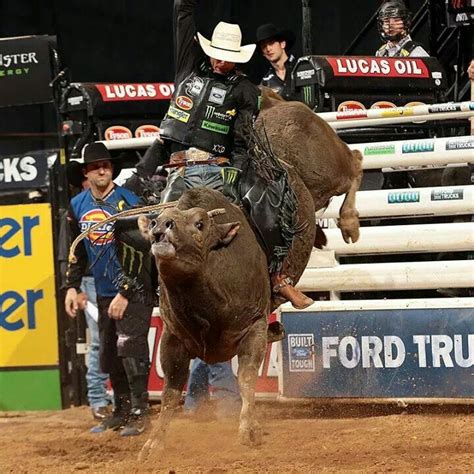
(169, 224)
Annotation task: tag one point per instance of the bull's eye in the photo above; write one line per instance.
(199, 225)
(152, 223)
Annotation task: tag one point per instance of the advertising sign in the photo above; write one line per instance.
(28, 326)
(267, 383)
(25, 172)
(386, 353)
(25, 71)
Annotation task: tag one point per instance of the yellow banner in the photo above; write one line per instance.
(28, 323)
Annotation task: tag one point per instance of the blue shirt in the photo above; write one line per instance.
(99, 244)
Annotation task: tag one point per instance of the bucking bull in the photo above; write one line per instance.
(215, 291)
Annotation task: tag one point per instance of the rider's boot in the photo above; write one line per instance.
(282, 285)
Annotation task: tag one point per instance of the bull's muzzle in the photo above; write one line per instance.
(161, 243)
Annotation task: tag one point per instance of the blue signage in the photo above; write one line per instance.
(395, 353)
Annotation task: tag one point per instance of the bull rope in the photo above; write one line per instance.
(129, 212)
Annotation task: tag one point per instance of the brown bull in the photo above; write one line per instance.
(321, 159)
(214, 298)
(215, 290)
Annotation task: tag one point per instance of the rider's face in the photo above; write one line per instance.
(221, 67)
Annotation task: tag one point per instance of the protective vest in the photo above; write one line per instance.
(202, 112)
(405, 51)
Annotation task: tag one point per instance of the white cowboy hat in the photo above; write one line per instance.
(225, 44)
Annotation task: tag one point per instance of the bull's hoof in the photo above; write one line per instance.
(251, 436)
(349, 225)
(275, 332)
(150, 448)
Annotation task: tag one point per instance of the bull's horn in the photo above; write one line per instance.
(215, 212)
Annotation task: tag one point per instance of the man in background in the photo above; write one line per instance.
(394, 22)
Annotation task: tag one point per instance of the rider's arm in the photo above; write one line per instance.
(155, 156)
(186, 49)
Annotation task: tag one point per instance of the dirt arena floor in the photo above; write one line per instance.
(298, 438)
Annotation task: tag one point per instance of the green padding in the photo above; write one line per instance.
(30, 390)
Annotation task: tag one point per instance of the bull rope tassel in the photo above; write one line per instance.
(129, 212)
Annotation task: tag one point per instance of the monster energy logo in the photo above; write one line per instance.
(128, 249)
(210, 111)
(307, 94)
(229, 175)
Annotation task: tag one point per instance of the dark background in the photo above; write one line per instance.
(131, 41)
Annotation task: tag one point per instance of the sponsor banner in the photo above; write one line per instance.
(267, 382)
(178, 114)
(464, 143)
(38, 389)
(24, 172)
(215, 127)
(25, 71)
(379, 67)
(379, 353)
(372, 150)
(440, 108)
(149, 130)
(383, 104)
(403, 197)
(131, 92)
(418, 147)
(397, 112)
(117, 132)
(350, 105)
(350, 114)
(449, 195)
(217, 95)
(184, 103)
(28, 327)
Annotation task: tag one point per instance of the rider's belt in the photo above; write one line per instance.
(194, 156)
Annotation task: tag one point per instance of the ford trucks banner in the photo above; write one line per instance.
(25, 171)
(25, 70)
(382, 353)
(28, 327)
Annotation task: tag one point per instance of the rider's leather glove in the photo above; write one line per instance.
(231, 178)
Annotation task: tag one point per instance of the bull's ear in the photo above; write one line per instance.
(227, 232)
(143, 225)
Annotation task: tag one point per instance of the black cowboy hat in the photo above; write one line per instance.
(269, 31)
(93, 152)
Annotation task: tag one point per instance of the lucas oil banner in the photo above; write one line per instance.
(28, 327)
(392, 353)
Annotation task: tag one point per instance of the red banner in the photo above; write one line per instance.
(378, 67)
(128, 92)
(267, 383)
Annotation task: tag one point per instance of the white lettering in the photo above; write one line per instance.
(28, 168)
(130, 90)
(165, 90)
(458, 352)
(355, 352)
(441, 347)
(150, 89)
(421, 342)
(363, 66)
(328, 351)
(109, 93)
(389, 342)
(371, 348)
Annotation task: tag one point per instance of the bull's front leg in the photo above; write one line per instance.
(251, 353)
(174, 359)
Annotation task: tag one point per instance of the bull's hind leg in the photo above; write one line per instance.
(174, 359)
(348, 216)
(251, 353)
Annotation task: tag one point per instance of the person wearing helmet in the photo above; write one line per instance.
(394, 22)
